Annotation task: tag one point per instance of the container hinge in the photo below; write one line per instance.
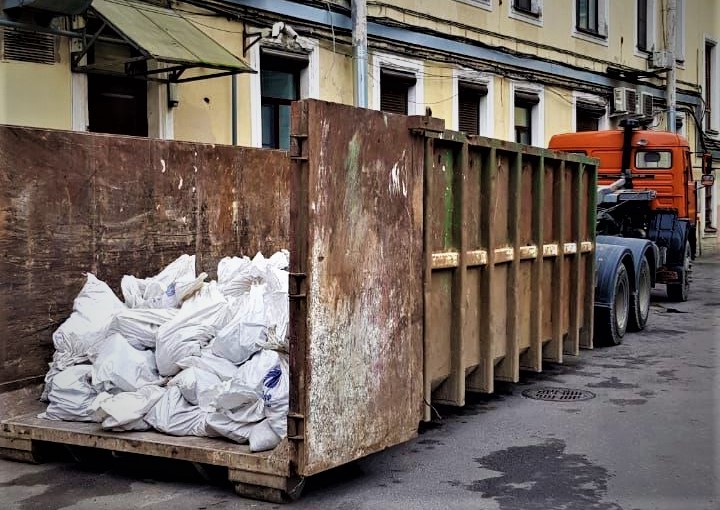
(297, 286)
(296, 427)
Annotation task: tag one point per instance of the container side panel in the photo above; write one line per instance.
(525, 304)
(363, 381)
(46, 241)
(547, 297)
(472, 205)
(438, 338)
(548, 188)
(500, 220)
(499, 297)
(473, 317)
(526, 202)
(113, 205)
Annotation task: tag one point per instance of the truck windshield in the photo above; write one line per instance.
(653, 159)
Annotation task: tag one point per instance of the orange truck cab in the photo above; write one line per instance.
(645, 192)
(659, 161)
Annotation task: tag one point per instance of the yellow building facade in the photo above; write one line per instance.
(520, 70)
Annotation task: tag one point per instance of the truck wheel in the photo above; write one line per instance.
(611, 323)
(640, 306)
(680, 291)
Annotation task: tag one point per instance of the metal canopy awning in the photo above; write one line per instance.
(160, 36)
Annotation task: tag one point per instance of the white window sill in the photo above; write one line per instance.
(527, 18)
(483, 4)
(599, 40)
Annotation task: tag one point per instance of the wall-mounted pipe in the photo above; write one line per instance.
(360, 53)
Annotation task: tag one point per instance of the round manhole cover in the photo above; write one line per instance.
(558, 394)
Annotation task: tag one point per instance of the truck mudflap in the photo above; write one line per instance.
(640, 248)
(608, 258)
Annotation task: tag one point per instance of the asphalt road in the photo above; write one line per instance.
(648, 440)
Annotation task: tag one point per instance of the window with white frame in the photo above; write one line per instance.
(711, 89)
(279, 87)
(397, 85)
(590, 112)
(527, 10)
(288, 72)
(590, 20)
(118, 104)
(645, 25)
(680, 31)
(527, 114)
(473, 104)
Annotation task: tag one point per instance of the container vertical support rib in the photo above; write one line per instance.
(572, 342)
(553, 351)
(482, 378)
(509, 368)
(533, 358)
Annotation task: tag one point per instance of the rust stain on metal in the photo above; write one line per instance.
(77, 202)
(363, 381)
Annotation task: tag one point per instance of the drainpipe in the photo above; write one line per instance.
(359, 43)
(670, 88)
(234, 109)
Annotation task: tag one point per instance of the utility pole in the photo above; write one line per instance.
(360, 53)
(670, 37)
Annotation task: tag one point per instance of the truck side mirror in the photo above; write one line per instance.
(707, 180)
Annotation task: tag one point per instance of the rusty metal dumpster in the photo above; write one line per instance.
(423, 264)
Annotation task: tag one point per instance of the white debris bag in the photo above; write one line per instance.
(280, 260)
(258, 392)
(191, 329)
(71, 395)
(125, 411)
(174, 415)
(139, 326)
(195, 385)
(221, 425)
(262, 437)
(246, 333)
(118, 366)
(240, 403)
(277, 320)
(210, 362)
(228, 267)
(276, 392)
(168, 289)
(244, 276)
(93, 309)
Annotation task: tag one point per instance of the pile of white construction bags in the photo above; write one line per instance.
(181, 355)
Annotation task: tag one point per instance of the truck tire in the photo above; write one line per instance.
(680, 291)
(640, 305)
(611, 323)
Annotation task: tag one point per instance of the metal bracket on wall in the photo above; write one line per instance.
(254, 38)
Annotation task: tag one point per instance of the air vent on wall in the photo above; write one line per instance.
(646, 104)
(625, 100)
(23, 46)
